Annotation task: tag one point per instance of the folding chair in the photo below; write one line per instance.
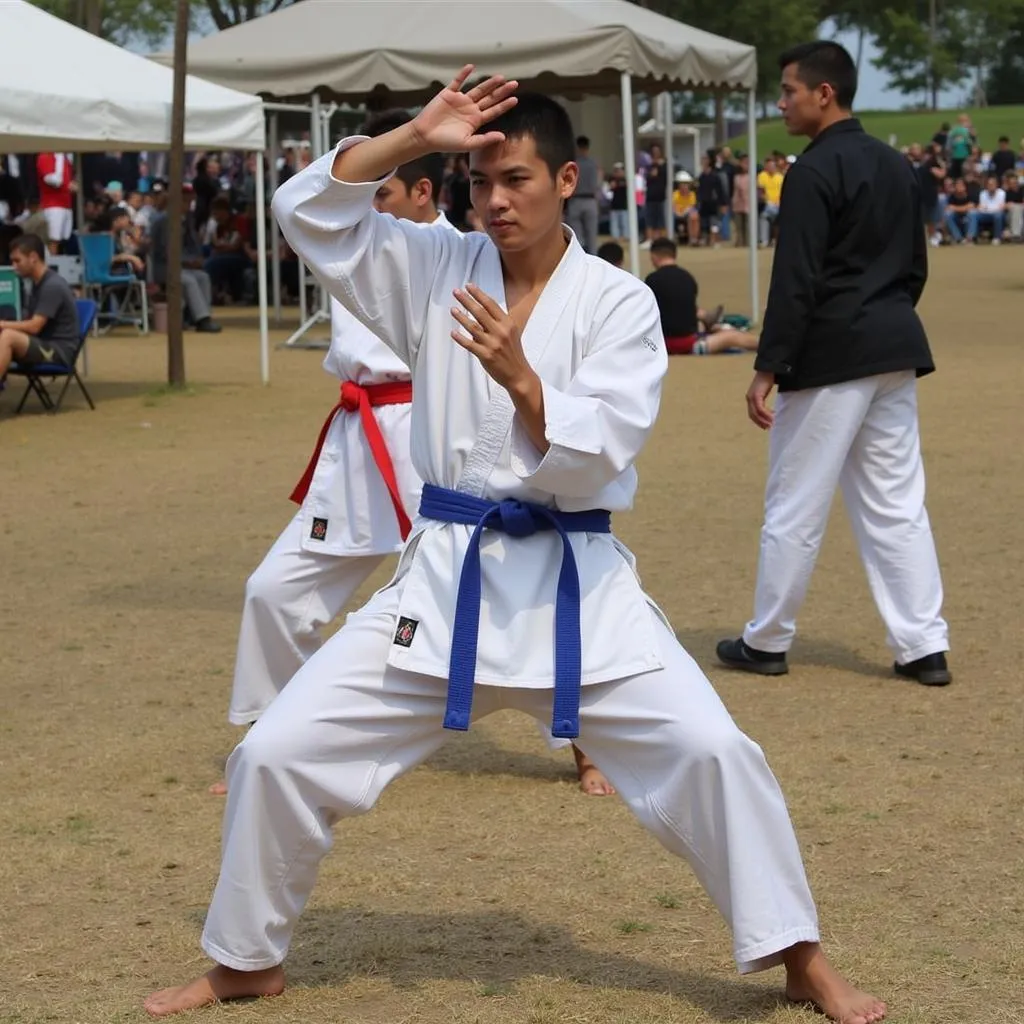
(51, 371)
(97, 257)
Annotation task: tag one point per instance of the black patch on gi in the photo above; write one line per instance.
(319, 531)
(406, 631)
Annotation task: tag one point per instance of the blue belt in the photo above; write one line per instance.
(517, 519)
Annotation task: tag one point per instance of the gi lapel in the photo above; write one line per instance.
(497, 421)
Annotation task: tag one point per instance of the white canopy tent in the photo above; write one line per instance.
(409, 48)
(94, 96)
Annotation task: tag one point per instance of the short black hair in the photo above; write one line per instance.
(1004, 138)
(542, 119)
(613, 253)
(28, 244)
(664, 247)
(430, 166)
(583, 142)
(824, 61)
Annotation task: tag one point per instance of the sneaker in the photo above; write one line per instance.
(931, 670)
(736, 654)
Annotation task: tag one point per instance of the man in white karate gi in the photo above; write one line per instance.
(843, 342)
(357, 496)
(537, 375)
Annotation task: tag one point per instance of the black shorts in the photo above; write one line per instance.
(655, 214)
(42, 352)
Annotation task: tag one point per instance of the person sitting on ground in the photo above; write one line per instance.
(49, 333)
(989, 213)
(675, 290)
(958, 209)
(613, 253)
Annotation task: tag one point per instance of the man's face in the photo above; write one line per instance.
(991, 184)
(769, 166)
(915, 151)
(801, 107)
(1004, 144)
(213, 167)
(401, 201)
(119, 223)
(135, 201)
(515, 194)
(744, 164)
(960, 191)
(24, 263)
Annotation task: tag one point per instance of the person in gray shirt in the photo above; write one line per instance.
(582, 207)
(195, 282)
(49, 333)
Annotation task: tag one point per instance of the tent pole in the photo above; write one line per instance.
(629, 144)
(670, 162)
(80, 216)
(752, 218)
(275, 230)
(261, 271)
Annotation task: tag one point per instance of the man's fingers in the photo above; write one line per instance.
(485, 88)
(459, 80)
(476, 309)
(467, 343)
(503, 98)
(471, 325)
(475, 142)
(485, 301)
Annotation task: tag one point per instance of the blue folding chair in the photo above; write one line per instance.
(127, 290)
(34, 375)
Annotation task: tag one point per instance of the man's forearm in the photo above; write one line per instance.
(528, 399)
(373, 159)
(25, 326)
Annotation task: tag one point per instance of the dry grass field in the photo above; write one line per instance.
(485, 888)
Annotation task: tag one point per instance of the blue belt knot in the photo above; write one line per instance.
(517, 519)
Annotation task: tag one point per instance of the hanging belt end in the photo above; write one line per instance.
(565, 728)
(457, 720)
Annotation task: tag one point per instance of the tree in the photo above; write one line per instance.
(1005, 80)
(151, 21)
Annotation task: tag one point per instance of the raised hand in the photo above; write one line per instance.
(450, 121)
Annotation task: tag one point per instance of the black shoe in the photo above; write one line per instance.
(736, 654)
(931, 670)
(207, 326)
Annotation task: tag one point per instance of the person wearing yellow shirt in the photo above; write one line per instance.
(769, 194)
(684, 207)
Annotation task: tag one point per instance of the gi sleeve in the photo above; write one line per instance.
(598, 425)
(804, 221)
(380, 269)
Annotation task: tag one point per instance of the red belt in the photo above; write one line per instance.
(364, 397)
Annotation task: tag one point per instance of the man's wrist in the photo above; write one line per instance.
(525, 387)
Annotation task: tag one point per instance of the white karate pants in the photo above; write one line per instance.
(289, 599)
(863, 436)
(347, 725)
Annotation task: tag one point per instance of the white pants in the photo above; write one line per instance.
(289, 599)
(59, 223)
(863, 436)
(348, 724)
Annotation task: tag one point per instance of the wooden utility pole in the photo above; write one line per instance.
(175, 203)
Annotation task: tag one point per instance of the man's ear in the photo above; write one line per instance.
(423, 191)
(566, 179)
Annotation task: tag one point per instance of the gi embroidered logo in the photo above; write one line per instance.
(319, 531)
(406, 631)
(650, 343)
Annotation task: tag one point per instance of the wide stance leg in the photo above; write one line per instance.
(289, 599)
(704, 789)
(342, 729)
(808, 445)
(884, 488)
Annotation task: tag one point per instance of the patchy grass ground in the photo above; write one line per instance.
(485, 888)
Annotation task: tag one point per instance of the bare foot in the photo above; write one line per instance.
(592, 780)
(218, 985)
(810, 978)
(219, 788)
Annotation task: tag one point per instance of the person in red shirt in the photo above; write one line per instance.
(56, 188)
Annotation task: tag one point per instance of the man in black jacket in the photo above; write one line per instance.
(843, 343)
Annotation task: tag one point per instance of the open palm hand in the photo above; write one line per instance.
(450, 121)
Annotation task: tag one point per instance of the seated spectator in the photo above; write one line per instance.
(684, 208)
(126, 250)
(675, 291)
(958, 206)
(227, 262)
(49, 332)
(613, 253)
(195, 282)
(1014, 206)
(989, 212)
